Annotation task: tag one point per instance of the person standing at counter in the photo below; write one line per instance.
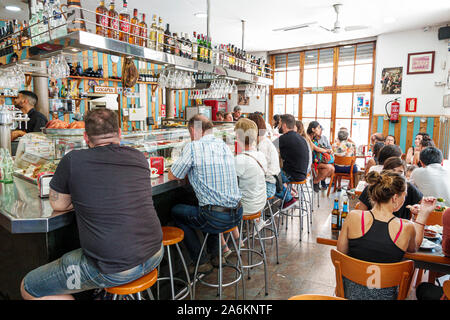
(26, 102)
(209, 165)
(108, 186)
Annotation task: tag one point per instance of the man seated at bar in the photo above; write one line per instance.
(209, 165)
(26, 102)
(433, 179)
(108, 186)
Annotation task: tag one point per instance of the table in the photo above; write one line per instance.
(433, 260)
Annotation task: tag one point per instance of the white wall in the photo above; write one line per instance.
(392, 51)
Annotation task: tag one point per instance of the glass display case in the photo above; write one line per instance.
(39, 152)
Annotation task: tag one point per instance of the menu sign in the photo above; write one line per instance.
(105, 90)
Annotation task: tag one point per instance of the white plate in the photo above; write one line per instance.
(427, 244)
(154, 176)
(436, 228)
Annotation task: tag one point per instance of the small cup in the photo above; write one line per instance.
(154, 171)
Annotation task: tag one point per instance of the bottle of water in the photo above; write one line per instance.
(6, 166)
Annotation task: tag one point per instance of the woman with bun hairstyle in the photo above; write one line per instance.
(377, 235)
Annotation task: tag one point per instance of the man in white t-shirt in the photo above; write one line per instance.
(433, 180)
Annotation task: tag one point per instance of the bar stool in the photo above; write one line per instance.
(251, 247)
(304, 205)
(135, 287)
(173, 236)
(237, 268)
(272, 226)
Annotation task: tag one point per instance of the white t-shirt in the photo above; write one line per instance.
(252, 181)
(433, 181)
(267, 148)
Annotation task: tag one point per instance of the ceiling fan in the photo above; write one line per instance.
(337, 25)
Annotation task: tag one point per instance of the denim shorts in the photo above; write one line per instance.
(73, 273)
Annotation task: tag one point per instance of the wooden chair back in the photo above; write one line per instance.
(315, 297)
(446, 287)
(344, 161)
(381, 275)
(435, 218)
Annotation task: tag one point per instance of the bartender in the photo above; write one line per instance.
(26, 102)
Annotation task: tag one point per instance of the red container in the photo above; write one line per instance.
(216, 105)
(158, 163)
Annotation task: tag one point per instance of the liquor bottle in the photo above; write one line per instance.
(113, 21)
(194, 47)
(25, 35)
(143, 32)
(344, 214)
(182, 45)
(168, 41)
(101, 19)
(201, 49)
(160, 35)
(152, 44)
(335, 215)
(188, 46)
(134, 28)
(124, 23)
(209, 51)
(34, 27)
(176, 44)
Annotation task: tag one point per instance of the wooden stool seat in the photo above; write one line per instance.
(271, 198)
(251, 216)
(136, 286)
(297, 182)
(172, 235)
(232, 229)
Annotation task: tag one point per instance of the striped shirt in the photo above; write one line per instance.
(209, 164)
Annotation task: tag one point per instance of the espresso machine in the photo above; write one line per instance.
(10, 117)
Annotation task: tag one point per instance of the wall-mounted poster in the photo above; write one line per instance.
(391, 80)
(243, 100)
(420, 62)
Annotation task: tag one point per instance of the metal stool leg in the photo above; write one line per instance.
(239, 265)
(263, 250)
(274, 227)
(172, 286)
(185, 269)
(197, 264)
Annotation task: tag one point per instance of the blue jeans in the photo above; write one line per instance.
(271, 189)
(73, 273)
(192, 218)
(286, 178)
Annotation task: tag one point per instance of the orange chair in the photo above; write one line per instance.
(314, 297)
(362, 272)
(135, 287)
(337, 177)
(446, 287)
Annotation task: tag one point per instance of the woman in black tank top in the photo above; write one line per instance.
(377, 235)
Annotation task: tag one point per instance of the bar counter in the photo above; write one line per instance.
(32, 234)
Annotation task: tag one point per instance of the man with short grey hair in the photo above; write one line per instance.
(237, 113)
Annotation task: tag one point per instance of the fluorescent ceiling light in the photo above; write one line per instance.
(13, 8)
(201, 15)
(389, 20)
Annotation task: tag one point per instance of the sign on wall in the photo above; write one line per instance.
(391, 80)
(421, 62)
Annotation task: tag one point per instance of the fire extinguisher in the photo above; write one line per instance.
(395, 110)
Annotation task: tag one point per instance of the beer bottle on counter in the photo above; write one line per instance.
(335, 215)
(344, 214)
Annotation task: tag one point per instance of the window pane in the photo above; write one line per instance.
(279, 80)
(292, 104)
(344, 102)
(280, 62)
(310, 78)
(311, 58)
(360, 132)
(345, 75)
(361, 105)
(346, 55)
(306, 122)
(346, 123)
(363, 74)
(325, 77)
(279, 104)
(325, 123)
(294, 61)
(364, 53)
(293, 79)
(324, 105)
(309, 105)
(326, 58)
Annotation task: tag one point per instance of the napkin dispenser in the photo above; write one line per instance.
(43, 180)
(157, 163)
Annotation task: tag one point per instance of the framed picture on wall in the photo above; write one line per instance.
(421, 62)
(243, 100)
(391, 80)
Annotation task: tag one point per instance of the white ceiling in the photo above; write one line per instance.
(262, 16)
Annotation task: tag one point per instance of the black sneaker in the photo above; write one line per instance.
(324, 185)
(316, 187)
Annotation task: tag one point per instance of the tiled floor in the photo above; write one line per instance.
(305, 267)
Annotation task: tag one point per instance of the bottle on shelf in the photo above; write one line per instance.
(143, 32)
(34, 27)
(25, 35)
(168, 41)
(335, 214)
(161, 36)
(101, 19)
(153, 41)
(188, 47)
(134, 28)
(113, 21)
(182, 40)
(209, 51)
(124, 23)
(201, 49)
(176, 44)
(194, 52)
